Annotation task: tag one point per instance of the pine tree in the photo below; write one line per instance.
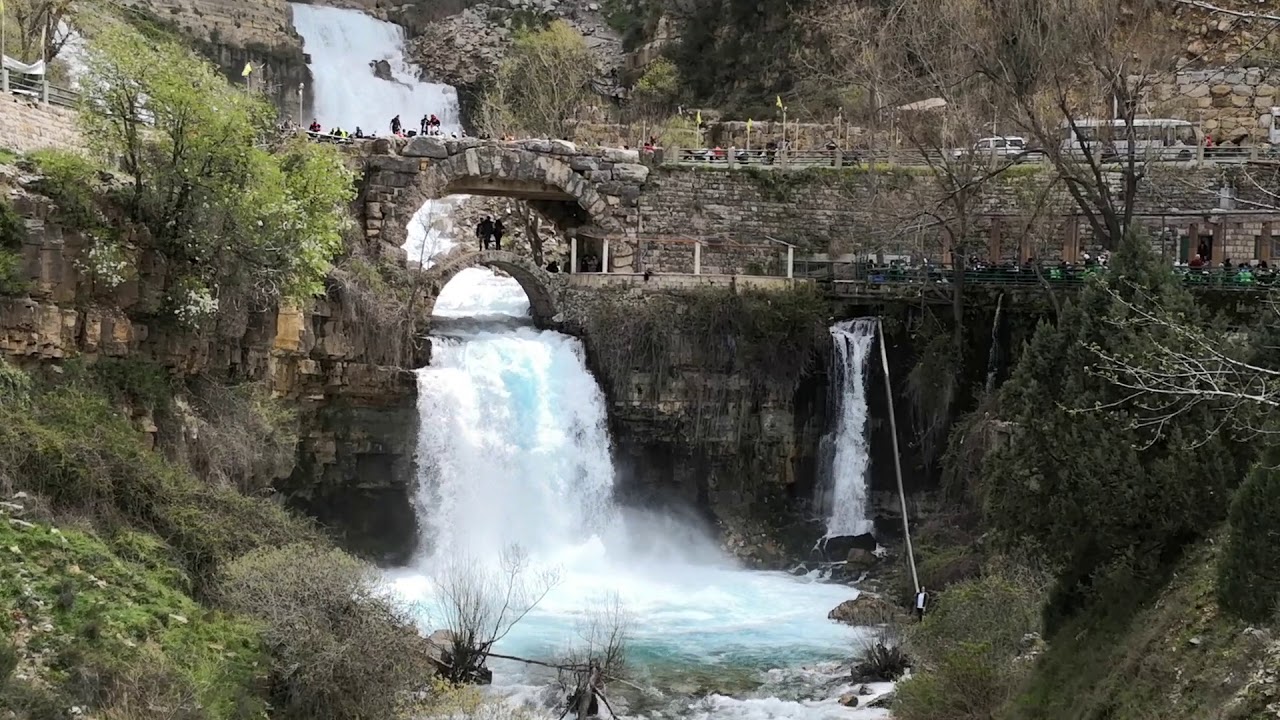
(1249, 569)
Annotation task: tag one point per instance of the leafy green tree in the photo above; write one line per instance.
(1094, 471)
(235, 216)
(541, 85)
(656, 92)
(1249, 569)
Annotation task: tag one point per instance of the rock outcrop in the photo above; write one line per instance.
(358, 416)
(464, 48)
(866, 610)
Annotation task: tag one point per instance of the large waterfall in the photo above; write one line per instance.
(845, 498)
(514, 448)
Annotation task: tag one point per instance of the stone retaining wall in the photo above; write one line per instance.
(1228, 103)
(26, 125)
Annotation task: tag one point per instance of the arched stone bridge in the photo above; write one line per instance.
(591, 193)
(544, 289)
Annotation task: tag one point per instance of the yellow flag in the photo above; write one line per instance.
(698, 119)
(779, 101)
(248, 68)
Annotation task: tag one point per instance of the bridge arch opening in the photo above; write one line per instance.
(518, 289)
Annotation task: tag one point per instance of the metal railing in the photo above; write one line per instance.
(851, 275)
(912, 157)
(36, 88)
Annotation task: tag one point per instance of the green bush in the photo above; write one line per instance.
(69, 444)
(120, 633)
(1249, 568)
(70, 180)
(340, 648)
(969, 682)
(968, 648)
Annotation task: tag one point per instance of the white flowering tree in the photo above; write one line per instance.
(235, 216)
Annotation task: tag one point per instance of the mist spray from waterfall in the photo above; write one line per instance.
(844, 497)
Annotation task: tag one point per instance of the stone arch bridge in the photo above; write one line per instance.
(543, 289)
(592, 194)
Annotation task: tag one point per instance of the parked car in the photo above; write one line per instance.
(1010, 147)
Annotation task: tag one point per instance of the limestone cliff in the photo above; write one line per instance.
(357, 413)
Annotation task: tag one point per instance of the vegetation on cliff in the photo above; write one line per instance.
(236, 219)
(1121, 496)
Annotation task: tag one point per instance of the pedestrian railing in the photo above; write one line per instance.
(849, 276)
(37, 89)
(912, 157)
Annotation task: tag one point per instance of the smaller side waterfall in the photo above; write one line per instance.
(844, 495)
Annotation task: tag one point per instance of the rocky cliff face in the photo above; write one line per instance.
(358, 418)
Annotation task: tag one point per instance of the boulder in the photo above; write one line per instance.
(860, 560)
(619, 155)
(426, 146)
(381, 69)
(884, 701)
(865, 610)
(836, 549)
(849, 699)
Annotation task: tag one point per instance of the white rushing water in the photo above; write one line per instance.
(341, 44)
(846, 498)
(514, 448)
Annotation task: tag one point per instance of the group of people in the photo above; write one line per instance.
(489, 232)
(429, 125)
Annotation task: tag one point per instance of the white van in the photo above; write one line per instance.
(1154, 138)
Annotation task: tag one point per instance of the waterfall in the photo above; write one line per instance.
(513, 443)
(342, 44)
(845, 499)
(513, 448)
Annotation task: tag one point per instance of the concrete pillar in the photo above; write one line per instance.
(993, 241)
(1193, 246)
(731, 158)
(1071, 240)
(791, 262)
(604, 256)
(573, 254)
(1264, 244)
(697, 258)
(44, 91)
(1219, 243)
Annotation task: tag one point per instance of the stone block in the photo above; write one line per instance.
(1242, 90)
(1265, 90)
(631, 172)
(426, 146)
(563, 147)
(1220, 90)
(584, 163)
(619, 155)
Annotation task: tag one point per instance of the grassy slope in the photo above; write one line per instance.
(82, 604)
(1172, 659)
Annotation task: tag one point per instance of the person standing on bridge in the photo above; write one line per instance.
(498, 231)
(484, 231)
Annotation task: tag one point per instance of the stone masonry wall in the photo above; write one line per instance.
(839, 212)
(26, 125)
(1231, 104)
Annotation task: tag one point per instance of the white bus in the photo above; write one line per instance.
(1157, 138)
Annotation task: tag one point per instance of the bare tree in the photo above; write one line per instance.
(1181, 367)
(39, 21)
(479, 605)
(598, 656)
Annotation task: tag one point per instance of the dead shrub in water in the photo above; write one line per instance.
(340, 648)
(884, 656)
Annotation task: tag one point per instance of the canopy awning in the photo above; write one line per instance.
(36, 68)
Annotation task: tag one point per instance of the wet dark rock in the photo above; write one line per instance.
(836, 549)
(865, 609)
(381, 69)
